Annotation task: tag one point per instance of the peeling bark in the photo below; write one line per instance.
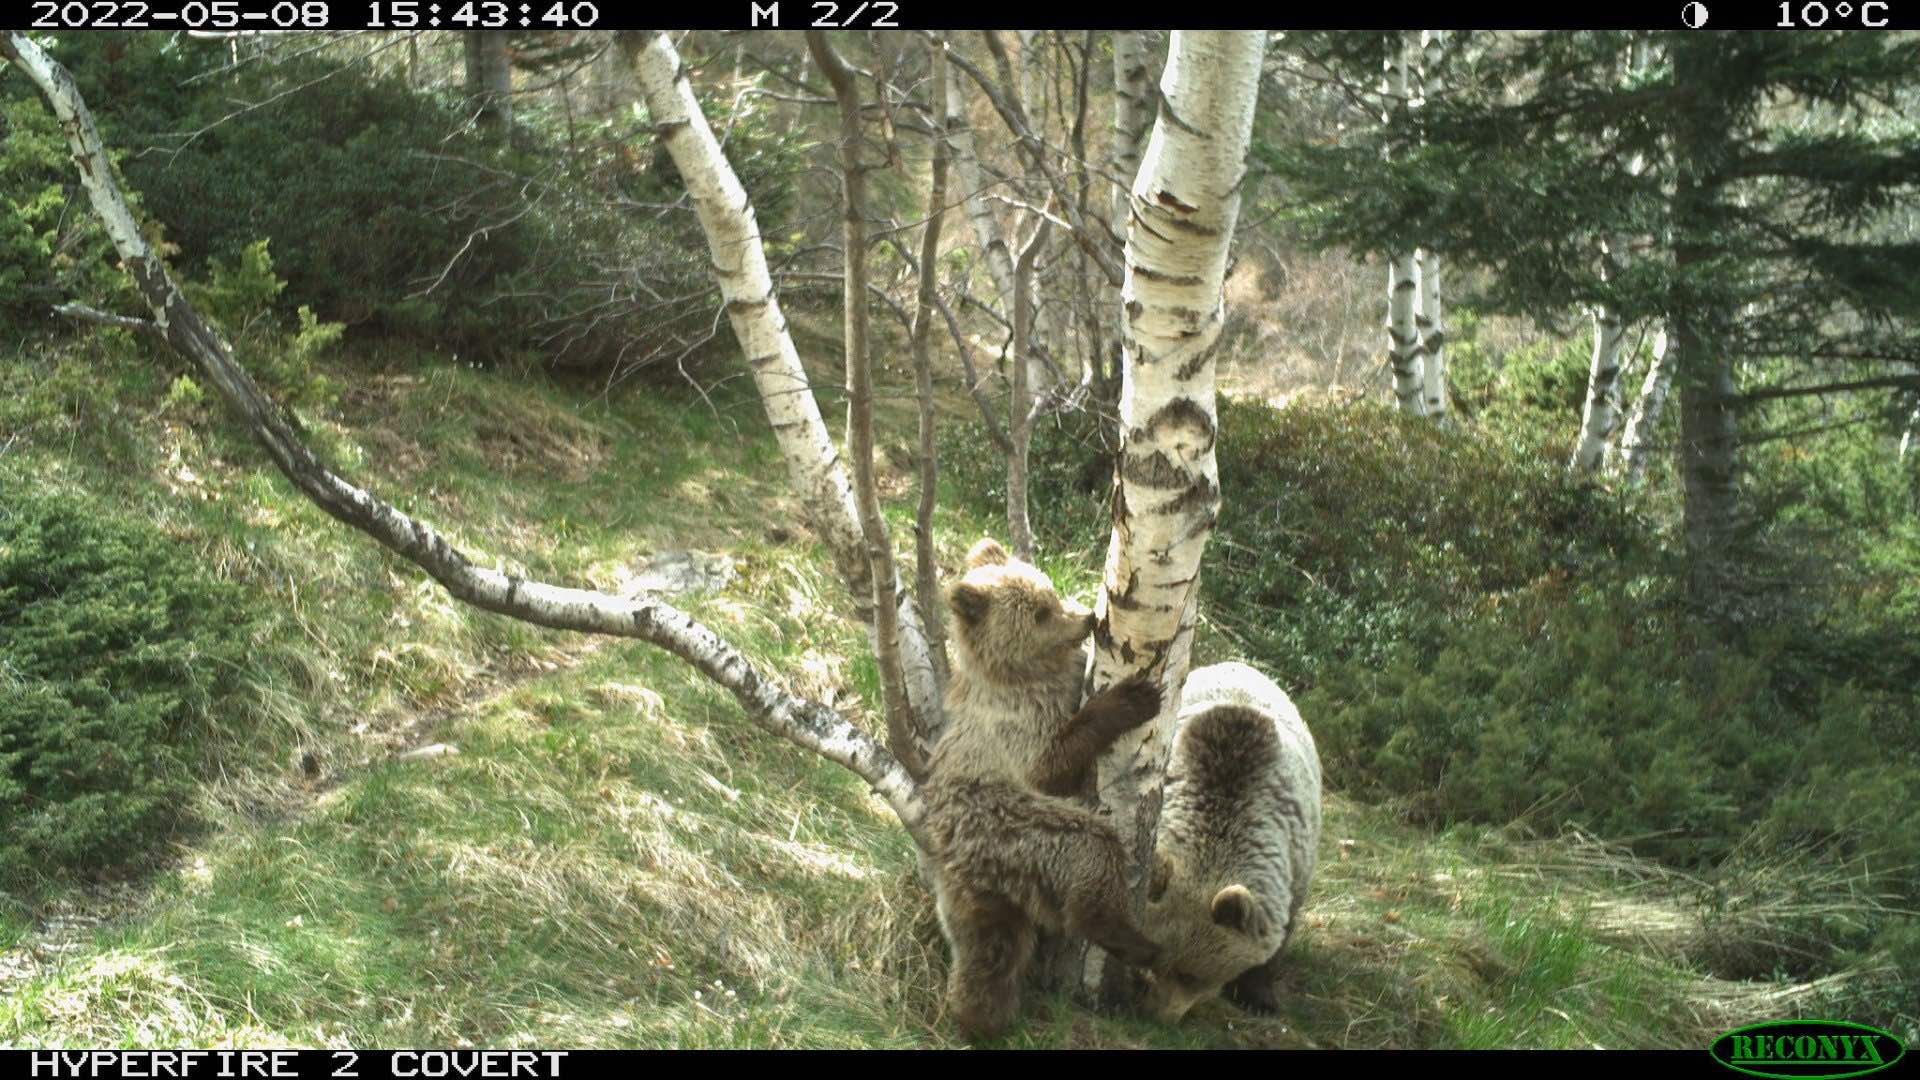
(1185, 201)
(766, 703)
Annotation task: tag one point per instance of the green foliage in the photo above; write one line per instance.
(384, 210)
(114, 647)
(48, 253)
(239, 296)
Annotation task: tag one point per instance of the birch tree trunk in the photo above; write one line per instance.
(1429, 319)
(1433, 340)
(1636, 439)
(1403, 270)
(1185, 202)
(1906, 437)
(767, 705)
(753, 309)
(967, 181)
(1020, 410)
(1132, 116)
(1601, 413)
(927, 571)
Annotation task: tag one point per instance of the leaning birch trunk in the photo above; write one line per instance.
(904, 729)
(1602, 411)
(740, 268)
(1630, 459)
(1186, 200)
(1403, 268)
(769, 706)
(967, 183)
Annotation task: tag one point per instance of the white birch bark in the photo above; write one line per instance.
(767, 704)
(1630, 458)
(1132, 117)
(1601, 413)
(969, 188)
(1186, 200)
(1020, 403)
(1600, 416)
(1403, 269)
(1431, 316)
(753, 309)
(1433, 340)
(1403, 333)
(1906, 437)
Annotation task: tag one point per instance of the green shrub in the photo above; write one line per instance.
(385, 211)
(114, 647)
(52, 249)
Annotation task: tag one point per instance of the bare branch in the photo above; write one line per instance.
(106, 318)
(907, 734)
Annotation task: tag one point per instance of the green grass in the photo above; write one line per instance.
(614, 857)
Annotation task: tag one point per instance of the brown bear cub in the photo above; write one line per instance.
(1012, 853)
(1239, 837)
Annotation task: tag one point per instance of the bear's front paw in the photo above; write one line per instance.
(1254, 992)
(1129, 703)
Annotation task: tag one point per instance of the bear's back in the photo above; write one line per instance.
(1243, 788)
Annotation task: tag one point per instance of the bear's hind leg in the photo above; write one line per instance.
(992, 943)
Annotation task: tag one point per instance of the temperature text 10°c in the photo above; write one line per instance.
(1814, 13)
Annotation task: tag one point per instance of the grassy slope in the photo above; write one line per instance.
(614, 858)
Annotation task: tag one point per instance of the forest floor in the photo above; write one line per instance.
(595, 850)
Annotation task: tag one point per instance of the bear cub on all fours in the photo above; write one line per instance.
(1012, 853)
(1239, 833)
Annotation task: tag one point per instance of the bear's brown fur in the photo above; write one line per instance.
(1011, 854)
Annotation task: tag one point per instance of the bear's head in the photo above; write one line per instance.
(1009, 623)
(1209, 936)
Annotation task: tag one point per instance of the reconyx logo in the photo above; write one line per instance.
(1807, 1049)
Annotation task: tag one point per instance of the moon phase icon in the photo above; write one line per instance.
(1694, 14)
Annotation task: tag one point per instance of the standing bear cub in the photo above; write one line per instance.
(1012, 853)
(1237, 841)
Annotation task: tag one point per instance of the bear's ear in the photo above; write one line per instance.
(1161, 878)
(969, 602)
(1236, 909)
(987, 552)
